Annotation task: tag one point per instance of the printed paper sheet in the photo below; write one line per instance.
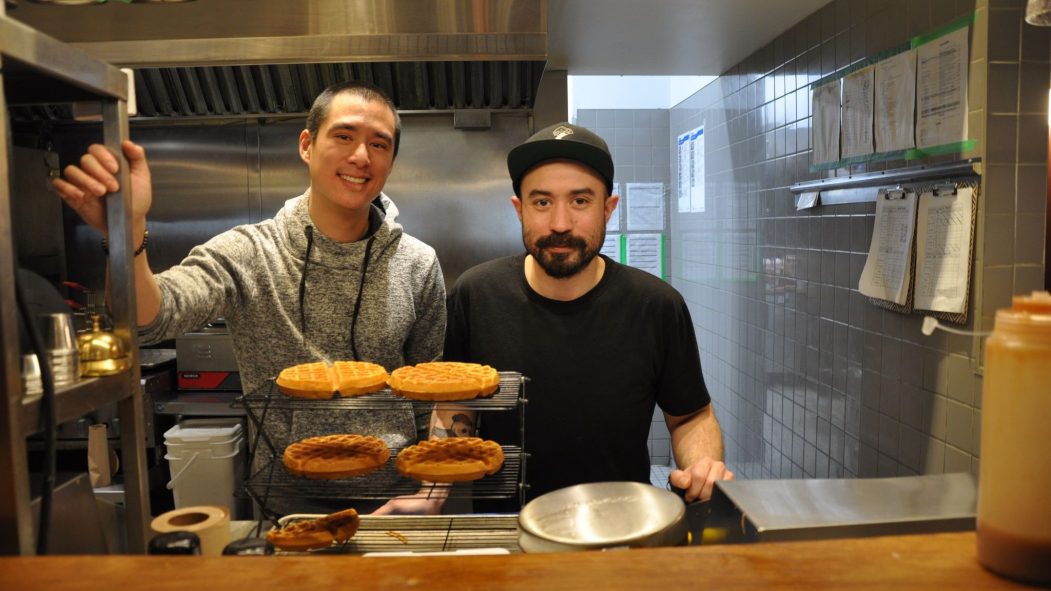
(941, 90)
(645, 206)
(857, 112)
(895, 102)
(888, 268)
(825, 131)
(943, 251)
(644, 252)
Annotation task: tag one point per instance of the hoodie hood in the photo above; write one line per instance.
(294, 218)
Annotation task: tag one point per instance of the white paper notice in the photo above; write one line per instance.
(896, 102)
(645, 206)
(697, 198)
(857, 112)
(826, 111)
(941, 90)
(690, 147)
(613, 225)
(888, 268)
(943, 251)
(644, 252)
(611, 247)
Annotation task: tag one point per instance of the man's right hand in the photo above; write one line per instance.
(419, 504)
(83, 187)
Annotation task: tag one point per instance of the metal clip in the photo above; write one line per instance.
(942, 189)
(897, 192)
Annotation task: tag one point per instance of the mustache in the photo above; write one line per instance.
(561, 240)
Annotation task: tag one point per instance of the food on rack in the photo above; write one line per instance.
(450, 460)
(354, 378)
(319, 380)
(311, 534)
(330, 457)
(444, 380)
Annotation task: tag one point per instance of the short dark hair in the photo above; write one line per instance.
(363, 90)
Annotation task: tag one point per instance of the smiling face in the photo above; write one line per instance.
(563, 209)
(351, 155)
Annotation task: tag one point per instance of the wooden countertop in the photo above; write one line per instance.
(935, 561)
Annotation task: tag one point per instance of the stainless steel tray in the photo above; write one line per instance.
(425, 533)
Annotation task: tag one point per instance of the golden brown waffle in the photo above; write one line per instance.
(322, 381)
(444, 380)
(316, 533)
(354, 378)
(329, 457)
(307, 380)
(451, 460)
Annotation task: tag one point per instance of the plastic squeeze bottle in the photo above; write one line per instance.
(1014, 483)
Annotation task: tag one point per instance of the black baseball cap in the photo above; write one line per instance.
(561, 141)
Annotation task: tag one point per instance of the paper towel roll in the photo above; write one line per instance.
(211, 524)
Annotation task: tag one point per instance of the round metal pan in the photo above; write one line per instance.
(603, 515)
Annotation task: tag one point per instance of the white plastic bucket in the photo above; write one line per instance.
(205, 461)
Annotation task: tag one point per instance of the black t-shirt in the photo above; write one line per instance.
(596, 367)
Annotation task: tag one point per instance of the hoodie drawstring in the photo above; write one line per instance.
(357, 303)
(309, 230)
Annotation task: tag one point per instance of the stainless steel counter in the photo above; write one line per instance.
(767, 510)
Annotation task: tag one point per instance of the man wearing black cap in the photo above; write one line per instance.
(600, 342)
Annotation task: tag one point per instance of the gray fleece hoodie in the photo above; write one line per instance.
(250, 275)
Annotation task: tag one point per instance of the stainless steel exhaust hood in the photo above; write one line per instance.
(269, 57)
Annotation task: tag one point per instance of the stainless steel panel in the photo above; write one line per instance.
(771, 510)
(201, 187)
(453, 190)
(271, 56)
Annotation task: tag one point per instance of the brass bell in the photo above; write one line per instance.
(102, 353)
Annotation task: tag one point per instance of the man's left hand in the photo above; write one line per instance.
(698, 479)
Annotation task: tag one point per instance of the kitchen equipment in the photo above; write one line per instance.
(389, 535)
(205, 359)
(206, 460)
(603, 515)
(31, 384)
(175, 542)
(1014, 517)
(102, 353)
(249, 547)
(812, 509)
(60, 347)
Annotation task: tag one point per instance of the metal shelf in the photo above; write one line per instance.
(76, 400)
(505, 398)
(37, 69)
(426, 533)
(274, 480)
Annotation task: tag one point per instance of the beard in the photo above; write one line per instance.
(564, 264)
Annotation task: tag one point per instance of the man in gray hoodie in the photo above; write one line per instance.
(331, 277)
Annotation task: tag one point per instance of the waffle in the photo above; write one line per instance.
(444, 380)
(354, 378)
(451, 460)
(321, 381)
(329, 457)
(316, 533)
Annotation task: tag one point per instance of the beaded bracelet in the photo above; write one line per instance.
(141, 249)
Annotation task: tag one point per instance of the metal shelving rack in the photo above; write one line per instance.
(272, 480)
(36, 69)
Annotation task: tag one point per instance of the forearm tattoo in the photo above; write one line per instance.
(462, 426)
